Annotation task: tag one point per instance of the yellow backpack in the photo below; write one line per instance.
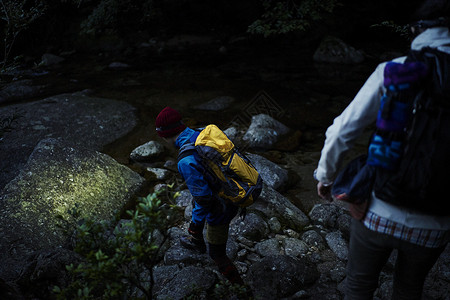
(239, 180)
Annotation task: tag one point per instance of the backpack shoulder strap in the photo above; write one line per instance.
(189, 147)
(186, 150)
(439, 63)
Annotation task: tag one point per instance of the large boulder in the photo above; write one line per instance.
(326, 214)
(36, 207)
(178, 254)
(76, 118)
(279, 276)
(263, 132)
(271, 173)
(20, 89)
(49, 59)
(334, 50)
(45, 269)
(185, 281)
(272, 204)
(253, 227)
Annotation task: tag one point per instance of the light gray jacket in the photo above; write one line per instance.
(360, 113)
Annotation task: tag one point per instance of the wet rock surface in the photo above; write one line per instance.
(77, 119)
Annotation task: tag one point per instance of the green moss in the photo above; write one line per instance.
(43, 198)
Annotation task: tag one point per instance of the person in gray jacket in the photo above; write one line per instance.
(418, 237)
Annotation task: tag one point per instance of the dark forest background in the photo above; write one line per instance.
(33, 27)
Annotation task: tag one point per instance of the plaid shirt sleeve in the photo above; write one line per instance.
(422, 237)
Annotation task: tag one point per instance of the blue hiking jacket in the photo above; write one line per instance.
(207, 205)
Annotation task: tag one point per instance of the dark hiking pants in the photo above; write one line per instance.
(369, 252)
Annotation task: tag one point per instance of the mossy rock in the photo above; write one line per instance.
(35, 206)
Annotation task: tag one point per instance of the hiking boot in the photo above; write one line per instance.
(189, 242)
(228, 270)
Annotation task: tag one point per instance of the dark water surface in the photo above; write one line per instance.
(307, 96)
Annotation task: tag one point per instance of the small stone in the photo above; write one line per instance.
(147, 151)
(291, 233)
(161, 174)
(274, 225)
(242, 254)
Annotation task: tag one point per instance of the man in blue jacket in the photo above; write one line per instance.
(207, 206)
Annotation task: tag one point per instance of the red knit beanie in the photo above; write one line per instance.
(168, 123)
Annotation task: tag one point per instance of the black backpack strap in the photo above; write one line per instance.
(189, 147)
(438, 63)
(186, 150)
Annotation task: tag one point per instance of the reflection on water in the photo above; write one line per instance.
(305, 96)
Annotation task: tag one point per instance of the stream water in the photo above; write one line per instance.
(304, 96)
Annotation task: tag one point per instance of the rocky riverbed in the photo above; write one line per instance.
(84, 135)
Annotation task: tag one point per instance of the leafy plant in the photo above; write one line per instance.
(290, 15)
(116, 15)
(118, 259)
(402, 30)
(18, 15)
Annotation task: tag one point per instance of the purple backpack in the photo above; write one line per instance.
(403, 82)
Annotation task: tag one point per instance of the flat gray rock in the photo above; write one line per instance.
(76, 118)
